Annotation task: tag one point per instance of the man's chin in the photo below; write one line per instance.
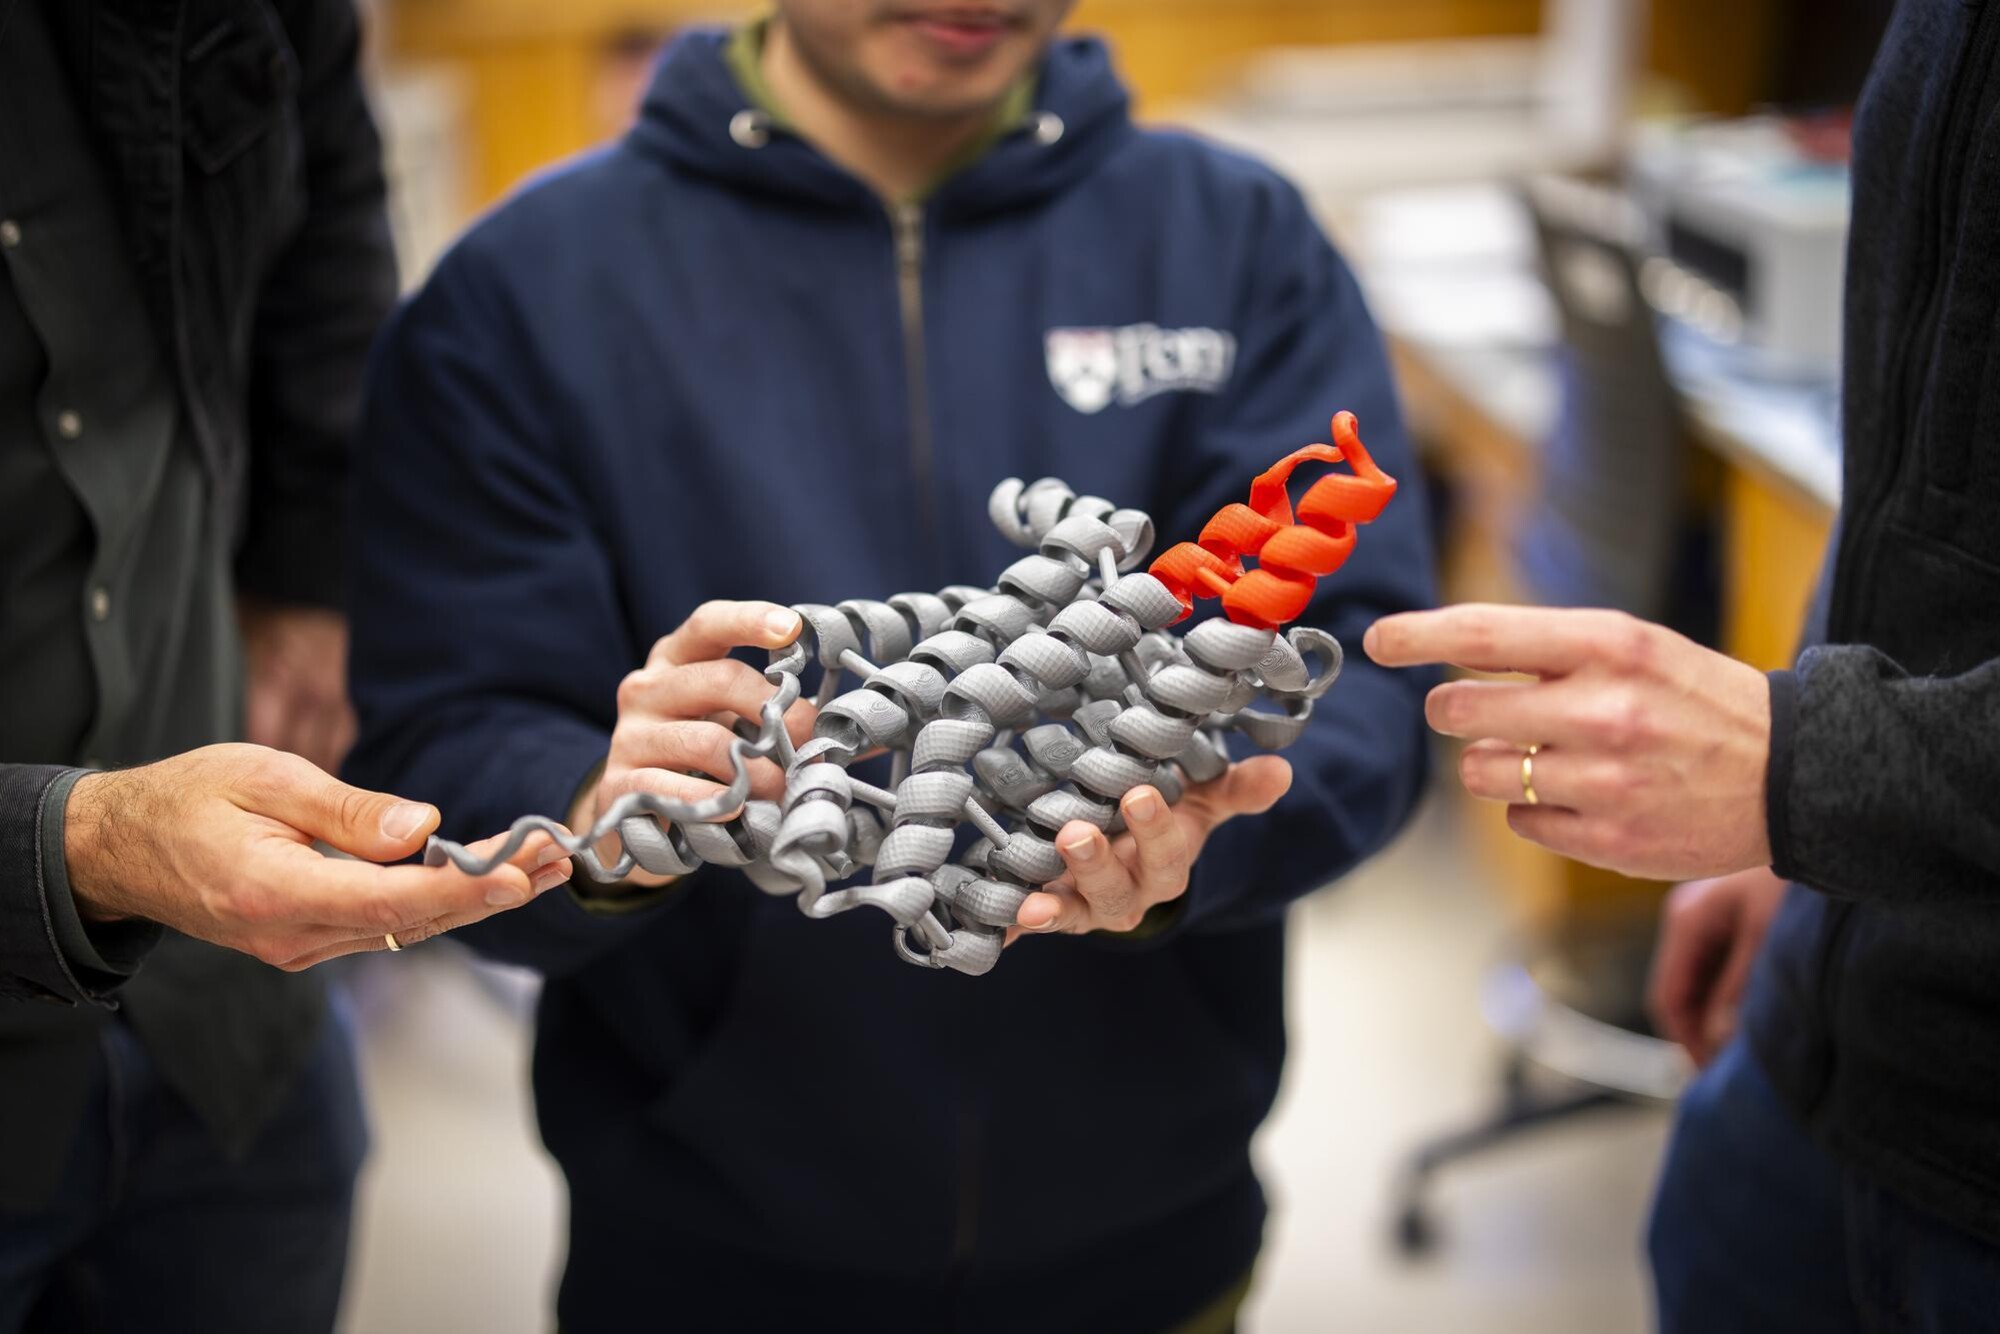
(949, 102)
(928, 89)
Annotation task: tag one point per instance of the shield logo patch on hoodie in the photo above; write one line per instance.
(1092, 368)
(1083, 366)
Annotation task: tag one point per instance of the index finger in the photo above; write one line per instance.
(715, 628)
(1482, 637)
(338, 891)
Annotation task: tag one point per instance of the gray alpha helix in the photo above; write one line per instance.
(1017, 708)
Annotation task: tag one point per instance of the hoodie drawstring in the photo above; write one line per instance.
(750, 128)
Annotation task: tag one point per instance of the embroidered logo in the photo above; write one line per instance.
(1093, 368)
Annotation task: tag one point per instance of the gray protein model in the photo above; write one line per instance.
(1018, 708)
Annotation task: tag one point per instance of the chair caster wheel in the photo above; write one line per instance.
(1416, 1234)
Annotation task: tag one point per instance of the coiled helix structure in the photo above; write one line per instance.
(1017, 708)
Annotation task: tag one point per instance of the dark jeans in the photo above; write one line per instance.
(154, 1229)
(1757, 1229)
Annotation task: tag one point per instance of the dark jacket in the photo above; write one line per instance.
(196, 255)
(1876, 1008)
(677, 370)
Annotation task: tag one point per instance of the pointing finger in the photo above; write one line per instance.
(1540, 641)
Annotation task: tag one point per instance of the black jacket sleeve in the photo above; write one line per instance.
(1882, 784)
(318, 310)
(45, 952)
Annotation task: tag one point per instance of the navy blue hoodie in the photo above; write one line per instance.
(677, 370)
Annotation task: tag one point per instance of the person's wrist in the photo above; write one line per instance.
(585, 812)
(583, 807)
(1758, 692)
(88, 848)
(1739, 702)
(1781, 704)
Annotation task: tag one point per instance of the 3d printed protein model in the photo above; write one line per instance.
(1066, 656)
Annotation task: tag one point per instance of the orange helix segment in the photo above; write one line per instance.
(1291, 554)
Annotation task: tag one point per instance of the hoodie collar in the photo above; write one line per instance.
(700, 115)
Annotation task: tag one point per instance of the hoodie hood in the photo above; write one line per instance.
(697, 117)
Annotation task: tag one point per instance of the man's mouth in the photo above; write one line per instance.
(962, 31)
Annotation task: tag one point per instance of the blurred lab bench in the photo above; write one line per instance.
(1455, 277)
(1574, 432)
(1454, 280)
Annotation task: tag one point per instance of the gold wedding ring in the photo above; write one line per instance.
(1528, 774)
(389, 939)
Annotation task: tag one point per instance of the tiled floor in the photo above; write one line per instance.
(459, 1211)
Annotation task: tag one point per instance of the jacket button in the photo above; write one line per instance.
(10, 233)
(100, 603)
(68, 424)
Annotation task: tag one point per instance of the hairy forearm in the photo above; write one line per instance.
(45, 948)
(102, 845)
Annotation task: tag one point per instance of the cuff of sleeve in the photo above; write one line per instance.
(1162, 923)
(1778, 772)
(1159, 921)
(101, 956)
(615, 898)
(611, 901)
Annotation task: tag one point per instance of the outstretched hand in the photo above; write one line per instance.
(218, 844)
(1651, 750)
(1111, 883)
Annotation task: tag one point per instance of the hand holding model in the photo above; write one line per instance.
(675, 713)
(1112, 882)
(217, 844)
(949, 682)
(674, 721)
(1633, 748)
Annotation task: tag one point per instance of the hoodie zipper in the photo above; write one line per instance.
(906, 220)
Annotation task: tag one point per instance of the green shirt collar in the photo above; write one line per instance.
(745, 57)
